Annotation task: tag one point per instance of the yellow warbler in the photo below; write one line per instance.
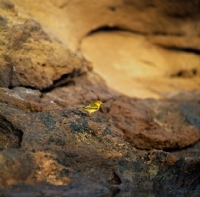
(92, 107)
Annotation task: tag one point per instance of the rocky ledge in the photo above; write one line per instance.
(50, 147)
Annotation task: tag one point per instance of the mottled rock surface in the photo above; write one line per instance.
(66, 152)
(145, 124)
(29, 55)
(68, 148)
(50, 147)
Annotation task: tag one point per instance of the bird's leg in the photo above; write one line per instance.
(89, 114)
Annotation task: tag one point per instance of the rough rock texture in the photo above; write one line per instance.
(145, 124)
(147, 48)
(50, 147)
(68, 148)
(66, 152)
(31, 57)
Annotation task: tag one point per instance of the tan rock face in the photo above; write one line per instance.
(139, 47)
(137, 16)
(137, 67)
(30, 56)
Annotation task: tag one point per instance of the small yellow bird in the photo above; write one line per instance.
(92, 107)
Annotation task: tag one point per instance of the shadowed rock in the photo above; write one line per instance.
(9, 137)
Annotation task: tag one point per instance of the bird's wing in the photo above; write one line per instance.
(91, 106)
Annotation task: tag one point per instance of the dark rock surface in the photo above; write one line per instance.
(73, 151)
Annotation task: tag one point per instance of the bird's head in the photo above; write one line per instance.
(99, 103)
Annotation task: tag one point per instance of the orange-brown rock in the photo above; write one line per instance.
(31, 56)
(148, 124)
(145, 124)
